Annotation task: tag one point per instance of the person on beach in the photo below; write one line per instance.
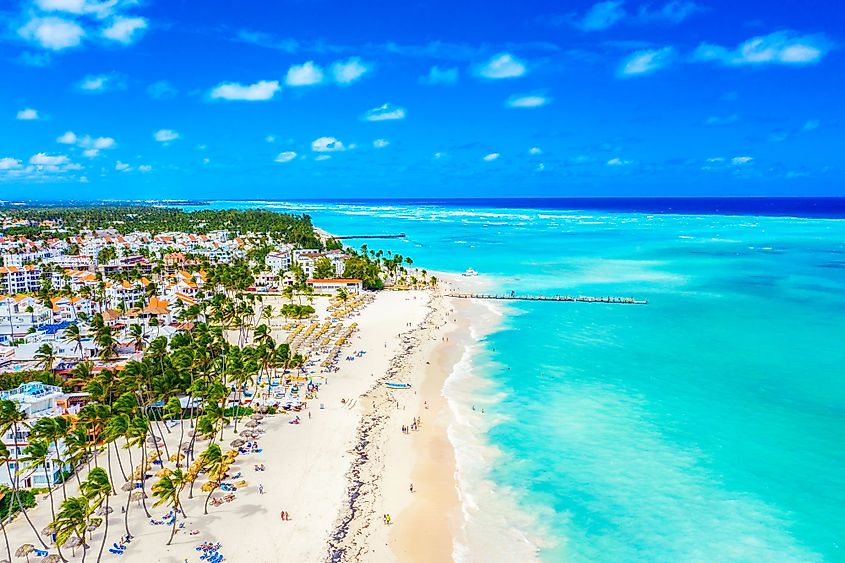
(412, 487)
(260, 489)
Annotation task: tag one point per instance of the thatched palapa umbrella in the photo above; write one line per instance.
(52, 558)
(73, 543)
(256, 416)
(237, 443)
(102, 511)
(128, 486)
(137, 495)
(25, 550)
(251, 424)
(47, 531)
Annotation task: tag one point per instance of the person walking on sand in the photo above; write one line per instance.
(260, 489)
(412, 487)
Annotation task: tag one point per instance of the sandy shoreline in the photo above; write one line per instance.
(338, 472)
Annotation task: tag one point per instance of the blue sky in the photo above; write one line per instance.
(311, 98)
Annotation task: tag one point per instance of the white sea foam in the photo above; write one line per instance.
(495, 528)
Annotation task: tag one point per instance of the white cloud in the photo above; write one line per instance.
(8, 163)
(286, 156)
(165, 135)
(740, 160)
(811, 125)
(492, 156)
(535, 150)
(103, 143)
(43, 159)
(439, 155)
(349, 71)
(322, 157)
(437, 75)
(674, 12)
(145, 168)
(327, 144)
(306, 74)
(618, 162)
(602, 16)
(122, 166)
(385, 112)
(27, 114)
(780, 47)
(646, 61)
(501, 65)
(98, 8)
(161, 90)
(96, 83)
(260, 91)
(540, 167)
(124, 30)
(90, 153)
(67, 138)
(527, 101)
(53, 33)
(270, 138)
(380, 143)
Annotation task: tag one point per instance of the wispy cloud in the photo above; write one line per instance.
(607, 14)
(27, 114)
(52, 33)
(385, 112)
(99, 83)
(500, 66)
(491, 157)
(527, 101)
(380, 143)
(285, 156)
(306, 74)
(618, 162)
(234, 91)
(350, 70)
(327, 144)
(437, 75)
(780, 47)
(125, 30)
(722, 120)
(646, 61)
(166, 136)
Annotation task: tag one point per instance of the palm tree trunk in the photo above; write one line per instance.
(211, 492)
(52, 504)
(173, 529)
(105, 530)
(5, 537)
(64, 480)
(15, 485)
(144, 477)
(119, 463)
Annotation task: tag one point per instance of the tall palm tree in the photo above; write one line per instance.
(72, 520)
(72, 334)
(213, 462)
(52, 430)
(137, 333)
(45, 357)
(168, 489)
(11, 419)
(97, 489)
(38, 454)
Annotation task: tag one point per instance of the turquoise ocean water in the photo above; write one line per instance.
(708, 425)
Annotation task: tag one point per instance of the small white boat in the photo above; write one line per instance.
(470, 273)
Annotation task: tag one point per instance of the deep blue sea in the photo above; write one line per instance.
(708, 425)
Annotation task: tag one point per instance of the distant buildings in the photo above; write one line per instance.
(330, 286)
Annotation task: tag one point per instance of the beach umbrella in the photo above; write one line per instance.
(102, 511)
(164, 472)
(137, 495)
(52, 558)
(185, 446)
(73, 543)
(153, 440)
(128, 486)
(93, 525)
(25, 550)
(47, 531)
(237, 443)
(251, 424)
(152, 456)
(256, 416)
(177, 457)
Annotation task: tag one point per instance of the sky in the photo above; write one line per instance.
(155, 99)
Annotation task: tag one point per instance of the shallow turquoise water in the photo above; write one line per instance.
(708, 425)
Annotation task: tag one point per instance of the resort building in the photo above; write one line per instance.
(35, 400)
(20, 315)
(278, 261)
(330, 286)
(20, 279)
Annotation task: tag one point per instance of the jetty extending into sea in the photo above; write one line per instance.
(571, 298)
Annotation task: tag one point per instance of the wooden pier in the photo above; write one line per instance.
(399, 235)
(570, 298)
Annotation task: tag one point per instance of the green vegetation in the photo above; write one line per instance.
(294, 311)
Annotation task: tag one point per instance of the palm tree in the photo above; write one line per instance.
(72, 520)
(10, 418)
(52, 430)
(38, 453)
(137, 333)
(215, 466)
(45, 356)
(97, 490)
(73, 334)
(168, 490)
